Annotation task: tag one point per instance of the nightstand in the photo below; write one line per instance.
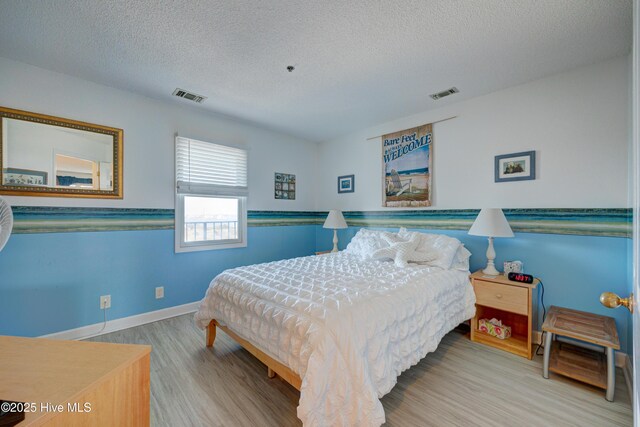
(323, 252)
(508, 301)
(589, 366)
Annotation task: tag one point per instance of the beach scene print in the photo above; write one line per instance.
(407, 167)
(514, 167)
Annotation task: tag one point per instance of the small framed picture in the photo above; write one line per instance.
(284, 186)
(13, 176)
(346, 184)
(515, 167)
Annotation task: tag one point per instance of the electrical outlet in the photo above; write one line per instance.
(160, 292)
(105, 302)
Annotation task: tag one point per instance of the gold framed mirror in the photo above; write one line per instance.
(50, 156)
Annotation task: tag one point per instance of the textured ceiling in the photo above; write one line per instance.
(358, 62)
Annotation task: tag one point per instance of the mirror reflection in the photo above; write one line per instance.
(37, 154)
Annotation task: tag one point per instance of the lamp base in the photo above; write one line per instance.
(490, 270)
(335, 241)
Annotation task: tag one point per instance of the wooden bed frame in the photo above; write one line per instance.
(273, 366)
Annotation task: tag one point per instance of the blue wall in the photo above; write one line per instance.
(52, 282)
(575, 270)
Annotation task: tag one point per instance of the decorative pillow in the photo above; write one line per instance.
(403, 252)
(445, 246)
(366, 242)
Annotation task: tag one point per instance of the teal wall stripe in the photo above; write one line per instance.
(587, 222)
(276, 218)
(29, 220)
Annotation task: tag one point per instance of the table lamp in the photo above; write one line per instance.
(491, 223)
(335, 220)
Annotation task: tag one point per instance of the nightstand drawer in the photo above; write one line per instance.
(503, 297)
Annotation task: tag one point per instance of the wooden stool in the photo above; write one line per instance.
(576, 362)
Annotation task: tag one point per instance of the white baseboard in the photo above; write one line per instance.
(96, 329)
(621, 358)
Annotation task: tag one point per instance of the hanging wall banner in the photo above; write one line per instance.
(406, 162)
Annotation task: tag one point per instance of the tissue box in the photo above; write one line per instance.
(495, 328)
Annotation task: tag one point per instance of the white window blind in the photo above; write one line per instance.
(207, 168)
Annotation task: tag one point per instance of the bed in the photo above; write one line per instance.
(338, 327)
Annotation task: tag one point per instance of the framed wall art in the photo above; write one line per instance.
(13, 176)
(515, 167)
(346, 184)
(285, 186)
(407, 157)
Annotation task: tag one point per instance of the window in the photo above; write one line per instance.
(211, 196)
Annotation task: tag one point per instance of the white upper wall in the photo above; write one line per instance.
(149, 132)
(577, 122)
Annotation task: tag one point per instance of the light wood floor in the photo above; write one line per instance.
(461, 384)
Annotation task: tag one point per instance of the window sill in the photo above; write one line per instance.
(196, 248)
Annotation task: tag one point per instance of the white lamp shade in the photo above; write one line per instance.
(335, 220)
(491, 222)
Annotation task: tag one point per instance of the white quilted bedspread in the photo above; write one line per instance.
(347, 327)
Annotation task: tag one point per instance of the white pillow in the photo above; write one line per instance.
(461, 259)
(366, 242)
(445, 246)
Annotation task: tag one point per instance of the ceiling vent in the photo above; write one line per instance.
(444, 93)
(189, 95)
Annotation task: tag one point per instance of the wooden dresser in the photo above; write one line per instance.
(508, 301)
(74, 383)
